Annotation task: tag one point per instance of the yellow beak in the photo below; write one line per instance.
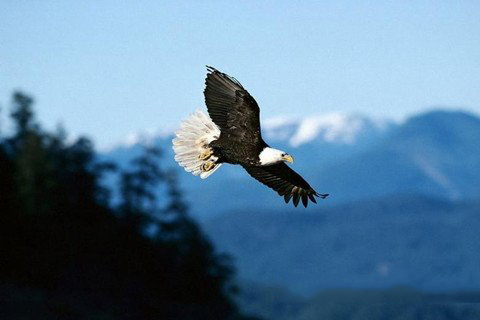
(288, 158)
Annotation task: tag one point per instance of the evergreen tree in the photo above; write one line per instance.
(22, 114)
(33, 169)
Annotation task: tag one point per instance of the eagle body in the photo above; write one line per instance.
(231, 134)
(237, 153)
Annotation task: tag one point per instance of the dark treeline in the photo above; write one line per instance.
(66, 253)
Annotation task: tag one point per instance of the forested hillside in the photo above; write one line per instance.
(67, 254)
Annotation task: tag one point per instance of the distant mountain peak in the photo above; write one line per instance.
(338, 128)
(333, 128)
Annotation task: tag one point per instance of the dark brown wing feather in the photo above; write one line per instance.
(231, 107)
(286, 182)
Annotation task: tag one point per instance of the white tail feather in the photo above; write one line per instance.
(192, 140)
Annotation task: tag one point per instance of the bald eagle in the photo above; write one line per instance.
(232, 135)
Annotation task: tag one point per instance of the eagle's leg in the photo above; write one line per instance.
(205, 154)
(208, 165)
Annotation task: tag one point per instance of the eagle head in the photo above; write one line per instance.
(270, 156)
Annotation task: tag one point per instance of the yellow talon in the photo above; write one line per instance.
(205, 155)
(207, 166)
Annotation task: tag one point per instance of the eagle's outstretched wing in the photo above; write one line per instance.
(285, 181)
(231, 107)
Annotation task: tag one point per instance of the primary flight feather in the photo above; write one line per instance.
(232, 135)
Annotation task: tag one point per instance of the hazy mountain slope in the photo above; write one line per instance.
(436, 153)
(395, 303)
(409, 240)
(404, 303)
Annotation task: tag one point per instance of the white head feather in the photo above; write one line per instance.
(270, 156)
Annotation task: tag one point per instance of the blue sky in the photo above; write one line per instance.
(109, 68)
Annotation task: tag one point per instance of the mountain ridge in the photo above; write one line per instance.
(435, 153)
(330, 127)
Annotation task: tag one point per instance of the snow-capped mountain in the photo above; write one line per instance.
(317, 139)
(435, 153)
(335, 128)
(331, 128)
(349, 156)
